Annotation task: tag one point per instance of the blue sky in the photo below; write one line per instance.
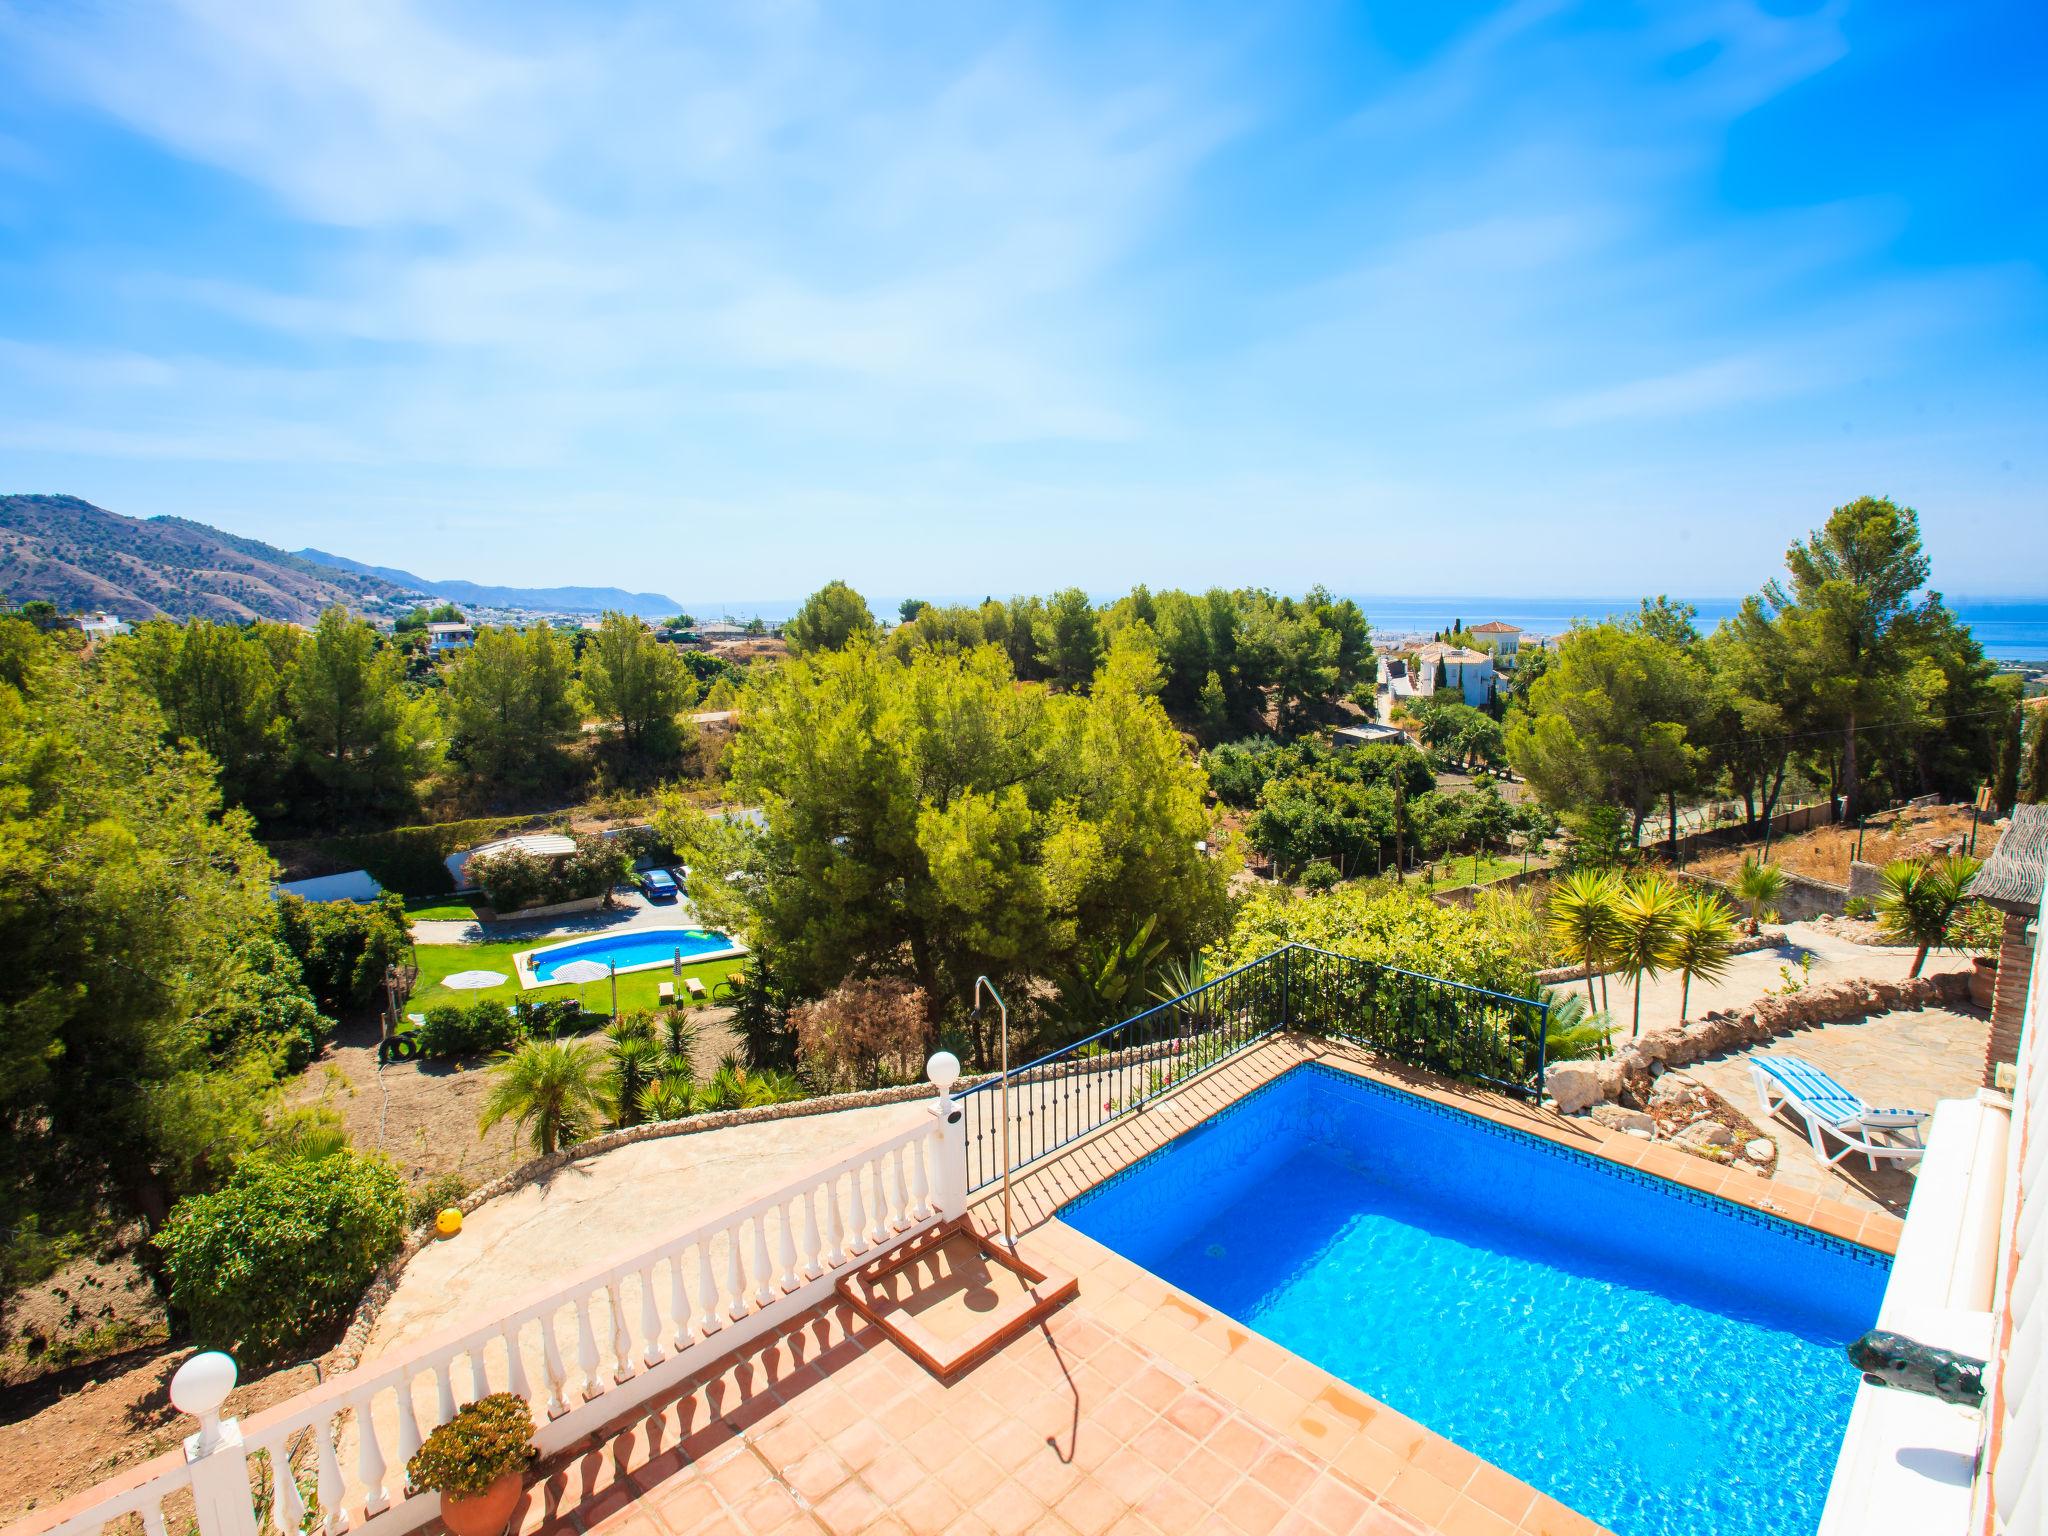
(1540, 298)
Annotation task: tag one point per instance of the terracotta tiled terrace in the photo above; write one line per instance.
(1133, 1408)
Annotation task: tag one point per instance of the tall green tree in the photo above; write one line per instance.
(364, 740)
(221, 687)
(512, 704)
(1851, 622)
(928, 818)
(1070, 640)
(2034, 787)
(831, 619)
(2005, 784)
(1607, 723)
(128, 899)
(636, 686)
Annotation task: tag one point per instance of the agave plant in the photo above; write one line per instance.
(1646, 922)
(1703, 937)
(1919, 900)
(1581, 915)
(1758, 887)
(1572, 1031)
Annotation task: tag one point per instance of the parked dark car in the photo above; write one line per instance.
(659, 885)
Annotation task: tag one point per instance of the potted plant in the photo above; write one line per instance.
(477, 1462)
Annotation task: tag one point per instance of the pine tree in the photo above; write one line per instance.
(2035, 790)
(2005, 784)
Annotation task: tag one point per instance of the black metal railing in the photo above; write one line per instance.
(1422, 1021)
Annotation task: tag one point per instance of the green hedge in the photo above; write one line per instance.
(410, 859)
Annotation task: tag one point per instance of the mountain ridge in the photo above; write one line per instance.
(485, 594)
(67, 551)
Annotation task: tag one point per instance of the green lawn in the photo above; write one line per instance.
(1461, 870)
(637, 989)
(447, 909)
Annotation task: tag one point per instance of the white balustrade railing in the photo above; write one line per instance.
(2013, 1498)
(583, 1353)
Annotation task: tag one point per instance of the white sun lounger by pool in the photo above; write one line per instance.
(1829, 1109)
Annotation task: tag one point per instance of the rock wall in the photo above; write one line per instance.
(1626, 1076)
(1803, 897)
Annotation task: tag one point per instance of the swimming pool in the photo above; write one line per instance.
(637, 949)
(1661, 1361)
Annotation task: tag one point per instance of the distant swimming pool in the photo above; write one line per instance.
(635, 950)
(1662, 1362)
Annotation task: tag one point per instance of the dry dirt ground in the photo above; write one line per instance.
(1824, 852)
(422, 1115)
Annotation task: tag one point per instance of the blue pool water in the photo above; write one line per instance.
(643, 946)
(1664, 1363)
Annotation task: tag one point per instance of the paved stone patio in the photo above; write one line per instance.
(1906, 1059)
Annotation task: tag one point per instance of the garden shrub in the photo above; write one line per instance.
(345, 947)
(543, 1018)
(862, 1032)
(476, 1030)
(261, 1003)
(1320, 875)
(266, 1264)
(436, 1195)
(516, 879)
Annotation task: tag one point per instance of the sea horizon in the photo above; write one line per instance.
(2009, 628)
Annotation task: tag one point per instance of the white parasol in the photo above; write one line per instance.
(473, 981)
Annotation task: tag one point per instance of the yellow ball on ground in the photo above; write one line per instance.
(449, 1222)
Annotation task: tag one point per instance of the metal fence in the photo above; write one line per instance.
(1421, 1021)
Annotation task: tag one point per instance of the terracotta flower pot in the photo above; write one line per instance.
(1983, 980)
(487, 1513)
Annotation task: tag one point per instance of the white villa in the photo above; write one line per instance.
(1471, 673)
(1504, 640)
(449, 637)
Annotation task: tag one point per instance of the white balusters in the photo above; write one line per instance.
(678, 1304)
(650, 1319)
(857, 1217)
(763, 1294)
(153, 1517)
(444, 1394)
(515, 1368)
(788, 1279)
(287, 1508)
(735, 1277)
(408, 1421)
(479, 1379)
(835, 1238)
(369, 1457)
(327, 1481)
(707, 1292)
(551, 1362)
(890, 1176)
(920, 1185)
(622, 1341)
(809, 1201)
(878, 1228)
(586, 1348)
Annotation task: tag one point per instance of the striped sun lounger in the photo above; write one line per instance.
(1832, 1111)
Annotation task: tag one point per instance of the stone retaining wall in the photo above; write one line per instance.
(347, 1355)
(1802, 898)
(1625, 1077)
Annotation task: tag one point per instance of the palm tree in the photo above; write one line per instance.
(1920, 898)
(635, 1061)
(1758, 887)
(736, 1086)
(1646, 918)
(1581, 917)
(553, 1085)
(1702, 938)
(1571, 1030)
